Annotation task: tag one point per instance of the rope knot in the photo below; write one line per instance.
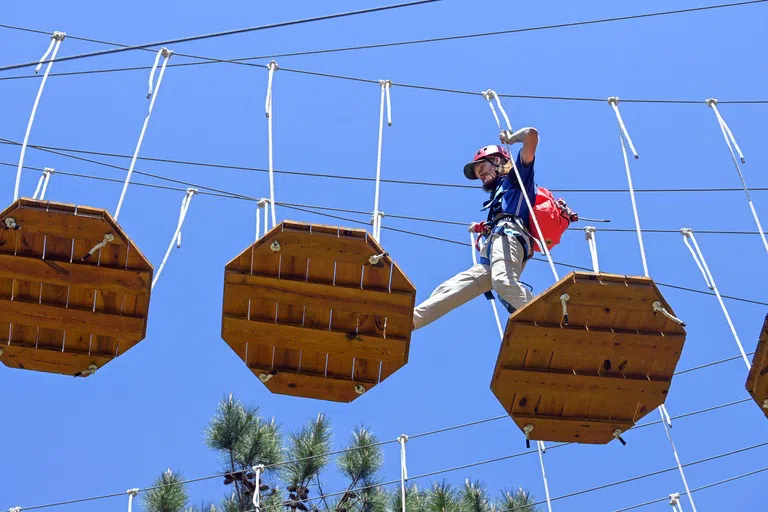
(359, 389)
(166, 53)
(109, 237)
(14, 509)
(376, 258)
(589, 232)
(674, 499)
(10, 223)
(489, 94)
(617, 435)
(711, 102)
(58, 35)
(613, 100)
(686, 232)
(133, 492)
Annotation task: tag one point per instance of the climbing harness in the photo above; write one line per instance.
(698, 258)
(730, 141)
(385, 96)
(132, 493)
(166, 54)
(42, 184)
(176, 238)
(402, 439)
(272, 67)
(56, 40)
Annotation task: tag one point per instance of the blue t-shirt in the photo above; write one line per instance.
(508, 197)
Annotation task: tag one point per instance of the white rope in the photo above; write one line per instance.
(257, 493)
(56, 40)
(385, 96)
(541, 448)
(109, 237)
(674, 501)
(698, 257)
(667, 422)
(14, 509)
(490, 95)
(167, 55)
(176, 234)
(493, 302)
(272, 67)
(132, 493)
(262, 204)
(591, 235)
(624, 134)
(564, 301)
(658, 308)
(402, 439)
(730, 141)
(42, 184)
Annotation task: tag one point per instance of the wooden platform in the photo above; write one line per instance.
(58, 312)
(757, 381)
(610, 366)
(309, 314)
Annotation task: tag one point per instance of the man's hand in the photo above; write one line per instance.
(528, 136)
(476, 227)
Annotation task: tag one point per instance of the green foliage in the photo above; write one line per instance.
(474, 498)
(442, 498)
(309, 449)
(363, 459)
(169, 494)
(520, 500)
(244, 439)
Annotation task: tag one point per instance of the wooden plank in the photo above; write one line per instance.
(564, 430)
(63, 225)
(84, 299)
(53, 317)
(343, 296)
(345, 319)
(51, 361)
(238, 330)
(320, 245)
(59, 272)
(288, 313)
(757, 380)
(597, 342)
(52, 294)
(550, 382)
(318, 271)
(30, 244)
(8, 243)
(305, 385)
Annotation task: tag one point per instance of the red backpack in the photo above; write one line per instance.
(554, 217)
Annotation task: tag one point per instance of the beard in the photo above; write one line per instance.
(491, 185)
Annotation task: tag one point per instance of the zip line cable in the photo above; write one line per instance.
(395, 441)
(224, 33)
(703, 487)
(231, 195)
(363, 178)
(243, 60)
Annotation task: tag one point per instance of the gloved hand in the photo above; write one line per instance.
(476, 227)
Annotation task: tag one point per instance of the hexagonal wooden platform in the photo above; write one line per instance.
(757, 380)
(610, 366)
(58, 312)
(309, 314)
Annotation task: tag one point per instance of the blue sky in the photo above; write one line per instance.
(68, 438)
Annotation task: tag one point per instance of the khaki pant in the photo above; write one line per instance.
(502, 275)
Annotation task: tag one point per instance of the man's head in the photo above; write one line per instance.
(488, 164)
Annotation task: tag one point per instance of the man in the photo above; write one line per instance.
(507, 244)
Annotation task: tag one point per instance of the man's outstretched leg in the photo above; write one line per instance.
(453, 293)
